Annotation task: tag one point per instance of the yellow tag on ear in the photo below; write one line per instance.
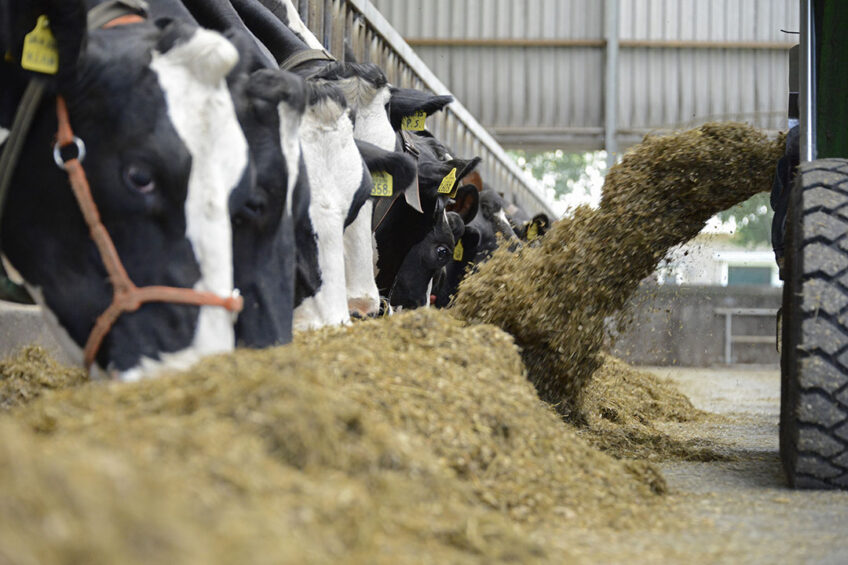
(458, 251)
(415, 122)
(40, 52)
(446, 187)
(382, 184)
(532, 231)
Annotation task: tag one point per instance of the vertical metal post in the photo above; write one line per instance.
(728, 338)
(611, 12)
(807, 94)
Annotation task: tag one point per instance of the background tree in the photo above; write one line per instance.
(561, 171)
(753, 221)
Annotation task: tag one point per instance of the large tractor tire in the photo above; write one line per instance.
(814, 361)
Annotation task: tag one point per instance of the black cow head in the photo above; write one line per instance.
(270, 104)
(459, 266)
(491, 223)
(146, 99)
(426, 259)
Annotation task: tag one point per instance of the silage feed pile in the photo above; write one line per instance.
(554, 298)
(623, 410)
(31, 373)
(413, 439)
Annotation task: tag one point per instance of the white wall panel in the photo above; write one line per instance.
(552, 94)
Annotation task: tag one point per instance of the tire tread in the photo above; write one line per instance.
(814, 396)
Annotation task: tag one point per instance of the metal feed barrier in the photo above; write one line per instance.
(730, 338)
(373, 40)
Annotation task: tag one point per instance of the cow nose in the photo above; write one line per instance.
(361, 308)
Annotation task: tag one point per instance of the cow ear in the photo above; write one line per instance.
(406, 101)
(466, 203)
(464, 167)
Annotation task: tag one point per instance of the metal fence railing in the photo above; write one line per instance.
(372, 39)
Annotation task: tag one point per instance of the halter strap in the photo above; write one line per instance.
(116, 13)
(305, 56)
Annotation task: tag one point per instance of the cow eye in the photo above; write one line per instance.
(442, 253)
(139, 177)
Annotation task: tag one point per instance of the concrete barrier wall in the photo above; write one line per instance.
(25, 325)
(666, 325)
(678, 325)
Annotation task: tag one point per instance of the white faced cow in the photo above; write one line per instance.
(338, 179)
(164, 155)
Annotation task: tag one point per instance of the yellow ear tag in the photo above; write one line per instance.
(40, 52)
(458, 251)
(446, 187)
(415, 122)
(532, 231)
(382, 184)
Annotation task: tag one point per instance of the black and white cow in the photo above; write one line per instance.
(270, 105)
(145, 99)
(491, 223)
(483, 235)
(338, 180)
(407, 239)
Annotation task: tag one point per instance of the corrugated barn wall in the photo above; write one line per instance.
(535, 71)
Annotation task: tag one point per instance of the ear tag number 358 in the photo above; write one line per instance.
(40, 53)
(382, 184)
(415, 122)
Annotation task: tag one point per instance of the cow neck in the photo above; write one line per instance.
(384, 205)
(305, 56)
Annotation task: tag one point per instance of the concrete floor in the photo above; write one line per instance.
(751, 515)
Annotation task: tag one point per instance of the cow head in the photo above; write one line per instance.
(339, 186)
(536, 227)
(165, 153)
(459, 266)
(270, 104)
(405, 236)
(367, 92)
(400, 170)
(491, 223)
(414, 282)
